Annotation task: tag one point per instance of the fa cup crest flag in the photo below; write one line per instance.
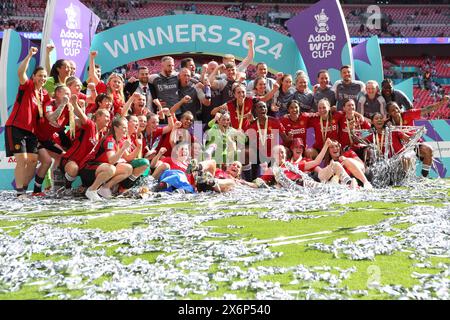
(70, 26)
(321, 35)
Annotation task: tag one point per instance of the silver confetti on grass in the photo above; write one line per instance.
(274, 293)
(67, 220)
(364, 249)
(332, 289)
(304, 273)
(232, 226)
(314, 199)
(184, 265)
(251, 280)
(438, 285)
(226, 296)
(152, 281)
(238, 251)
(430, 230)
(428, 235)
(264, 289)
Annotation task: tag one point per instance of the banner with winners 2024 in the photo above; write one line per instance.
(70, 26)
(194, 34)
(321, 35)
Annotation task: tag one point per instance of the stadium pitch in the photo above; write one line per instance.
(330, 243)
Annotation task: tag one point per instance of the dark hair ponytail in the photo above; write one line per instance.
(37, 70)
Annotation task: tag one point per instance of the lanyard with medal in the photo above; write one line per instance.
(324, 132)
(39, 98)
(262, 134)
(240, 116)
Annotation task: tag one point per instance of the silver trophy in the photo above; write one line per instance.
(322, 19)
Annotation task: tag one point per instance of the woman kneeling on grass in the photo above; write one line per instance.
(89, 133)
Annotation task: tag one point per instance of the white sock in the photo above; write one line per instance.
(69, 177)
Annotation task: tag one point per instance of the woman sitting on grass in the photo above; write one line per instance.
(352, 164)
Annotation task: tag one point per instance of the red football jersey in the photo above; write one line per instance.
(45, 130)
(302, 163)
(269, 178)
(84, 143)
(151, 138)
(101, 87)
(81, 96)
(235, 118)
(182, 166)
(175, 165)
(220, 174)
(271, 139)
(296, 128)
(330, 129)
(133, 140)
(165, 142)
(108, 144)
(118, 103)
(25, 110)
(344, 134)
(396, 143)
(409, 116)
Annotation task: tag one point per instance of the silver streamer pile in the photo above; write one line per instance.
(401, 166)
(306, 181)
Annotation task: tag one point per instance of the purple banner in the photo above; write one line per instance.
(71, 26)
(321, 35)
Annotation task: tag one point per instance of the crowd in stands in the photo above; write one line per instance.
(21, 25)
(427, 89)
(208, 128)
(396, 21)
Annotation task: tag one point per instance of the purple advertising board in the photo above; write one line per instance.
(321, 34)
(70, 26)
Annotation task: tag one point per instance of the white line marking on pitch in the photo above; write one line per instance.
(294, 241)
(286, 238)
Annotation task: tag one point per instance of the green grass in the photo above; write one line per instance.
(112, 223)
(267, 229)
(289, 238)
